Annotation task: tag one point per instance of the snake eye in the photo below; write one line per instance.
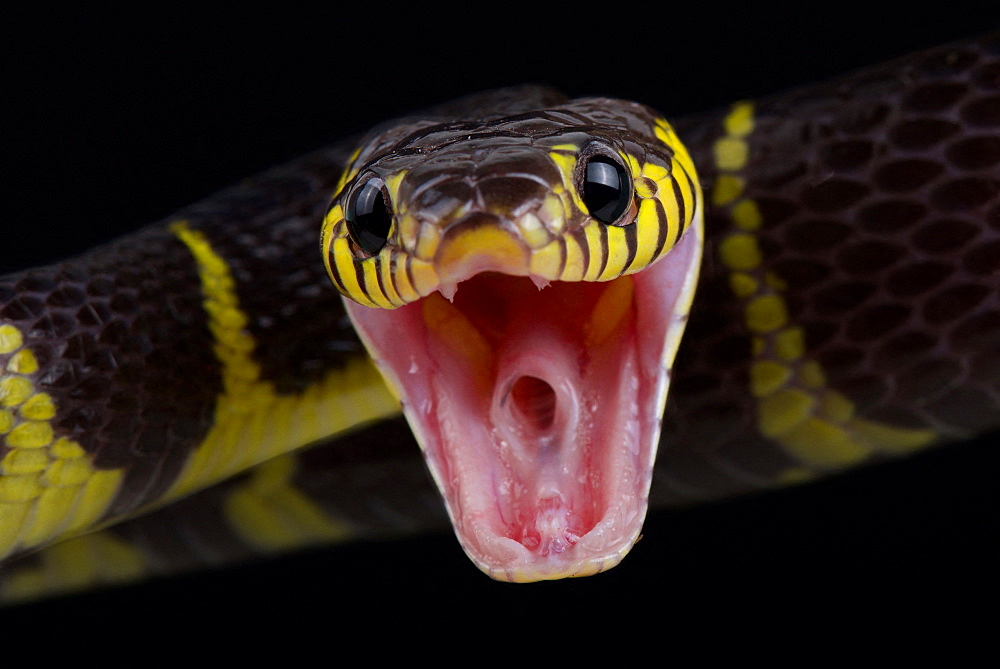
(606, 189)
(369, 218)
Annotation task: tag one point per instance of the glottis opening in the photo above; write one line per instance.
(534, 402)
(538, 410)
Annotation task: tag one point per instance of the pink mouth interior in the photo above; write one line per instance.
(538, 410)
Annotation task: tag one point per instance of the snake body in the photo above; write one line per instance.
(847, 224)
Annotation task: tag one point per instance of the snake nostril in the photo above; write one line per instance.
(534, 402)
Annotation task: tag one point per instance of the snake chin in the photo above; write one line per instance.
(538, 408)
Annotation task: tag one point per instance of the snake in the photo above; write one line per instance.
(814, 382)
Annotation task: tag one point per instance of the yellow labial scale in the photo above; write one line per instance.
(889, 438)
(821, 444)
(740, 252)
(21, 488)
(66, 448)
(389, 283)
(766, 314)
(38, 407)
(574, 270)
(22, 362)
(373, 288)
(12, 515)
(647, 232)
(810, 374)
(409, 229)
(97, 493)
(6, 421)
(767, 376)
(835, 407)
(730, 153)
(406, 290)
(743, 285)
(14, 390)
(10, 339)
(726, 189)
(425, 278)
(789, 343)
(617, 253)
(341, 254)
(545, 261)
(24, 461)
(783, 411)
(30, 434)
(53, 511)
(596, 254)
(532, 231)
(739, 122)
(427, 242)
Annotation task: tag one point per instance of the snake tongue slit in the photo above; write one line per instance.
(537, 410)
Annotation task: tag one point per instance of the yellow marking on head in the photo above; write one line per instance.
(252, 422)
(485, 247)
(647, 224)
(617, 253)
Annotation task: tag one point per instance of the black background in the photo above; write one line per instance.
(115, 120)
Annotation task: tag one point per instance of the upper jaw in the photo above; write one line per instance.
(539, 410)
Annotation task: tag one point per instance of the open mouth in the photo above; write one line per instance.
(538, 409)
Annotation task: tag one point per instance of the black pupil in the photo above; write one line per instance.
(368, 218)
(605, 189)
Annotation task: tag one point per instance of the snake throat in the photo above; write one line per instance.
(538, 409)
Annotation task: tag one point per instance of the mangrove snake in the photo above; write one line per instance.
(807, 355)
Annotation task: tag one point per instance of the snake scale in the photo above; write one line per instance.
(679, 125)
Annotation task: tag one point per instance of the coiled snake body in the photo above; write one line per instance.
(840, 238)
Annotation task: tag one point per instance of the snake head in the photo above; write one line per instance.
(522, 282)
